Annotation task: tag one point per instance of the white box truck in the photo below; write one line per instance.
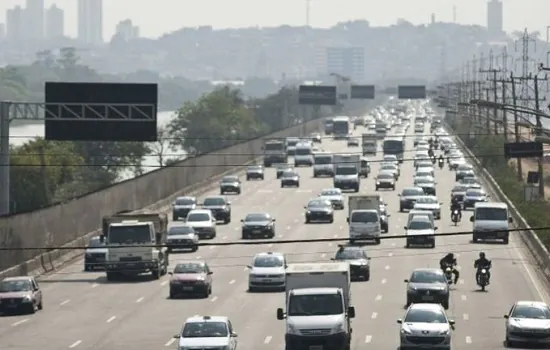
(346, 171)
(318, 306)
(364, 218)
(369, 143)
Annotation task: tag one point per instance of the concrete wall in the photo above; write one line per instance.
(62, 224)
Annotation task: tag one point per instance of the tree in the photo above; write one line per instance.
(39, 170)
(161, 147)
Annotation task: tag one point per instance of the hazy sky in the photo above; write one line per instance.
(156, 17)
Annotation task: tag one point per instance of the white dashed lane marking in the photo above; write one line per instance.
(465, 317)
(468, 340)
(214, 299)
(378, 297)
(20, 322)
(267, 339)
(111, 319)
(368, 339)
(139, 300)
(75, 344)
(64, 302)
(170, 342)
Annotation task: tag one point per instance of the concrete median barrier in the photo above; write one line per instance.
(71, 224)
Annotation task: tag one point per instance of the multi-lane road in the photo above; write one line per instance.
(82, 311)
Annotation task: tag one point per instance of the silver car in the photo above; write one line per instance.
(528, 323)
(425, 326)
(429, 203)
(334, 195)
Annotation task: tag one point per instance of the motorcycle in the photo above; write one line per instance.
(483, 278)
(455, 217)
(433, 159)
(441, 164)
(448, 270)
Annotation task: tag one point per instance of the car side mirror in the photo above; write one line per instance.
(510, 220)
(506, 316)
(228, 203)
(234, 335)
(170, 273)
(406, 281)
(210, 272)
(347, 219)
(351, 312)
(388, 215)
(368, 258)
(399, 321)
(274, 220)
(471, 219)
(248, 267)
(452, 322)
(242, 220)
(399, 194)
(332, 259)
(176, 336)
(435, 228)
(405, 227)
(280, 314)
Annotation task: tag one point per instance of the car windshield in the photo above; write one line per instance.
(346, 170)
(425, 316)
(197, 217)
(268, 261)
(303, 151)
(347, 254)
(180, 230)
(190, 268)
(214, 201)
(427, 200)
(129, 234)
(385, 176)
(423, 180)
(331, 193)
(388, 167)
(423, 174)
(318, 204)
(412, 192)
(459, 189)
(427, 277)
(420, 225)
(185, 201)
(204, 330)
(257, 217)
(291, 142)
(475, 193)
(290, 174)
(95, 243)
(364, 216)
(529, 311)
(318, 305)
(15, 286)
(323, 160)
(230, 179)
(255, 167)
(496, 214)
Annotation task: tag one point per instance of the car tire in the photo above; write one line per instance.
(367, 277)
(297, 184)
(195, 248)
(174, 217)
(445, 304)
(376, 188)
(41, 305)
(248, 178)
(171, 295)
(262, 177)
(244, 236)
(377, 241)
(331, 220)
(239, 191)
(87, 267)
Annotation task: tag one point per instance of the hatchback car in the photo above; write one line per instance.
(385, 180)
(290, 178)
(192, 277)
(335, 196)
(182, 237)
(528, 322)
(267, 272)
(473, 196)
(230, 184)
(254, 172)
(20, 294)
(428, 285)
(319, 210)
(425, 326)
(258, 225)
(201, 332)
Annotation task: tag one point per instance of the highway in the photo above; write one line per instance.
(82, 311)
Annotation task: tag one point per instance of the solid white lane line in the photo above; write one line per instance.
(139, 300)
(20, 322)
(465, 317)
(65, 302)
(75, 344)
(378, 297)
(111, 319)
(95, 285)
(214, 299)
(387, 267)
(267, 339)
(374, 315)
(463, 297)
(368, 339)
(468, 340)
(232, 281)
(170, 342)
(163, 283)
(384, 281)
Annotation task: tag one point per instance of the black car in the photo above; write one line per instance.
(281, 168)
(290, 178)
(319, 210)
(258, 225)
(230, 184)
(182, 206)
(428, 286)
(357, 259)
(254, 172)
(384, 218)
(407, 198)
(220, 208)
(95, 254)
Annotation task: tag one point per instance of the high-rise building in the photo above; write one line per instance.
(495, 17)
(14, 24)
(34, 20)
(127, 30)
(55, 22)
(90, 21)
(2, 31)
(345, 61)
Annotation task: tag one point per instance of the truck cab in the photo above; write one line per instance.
(364, 218)
(275, 152)
(491, 221)
(346, 171)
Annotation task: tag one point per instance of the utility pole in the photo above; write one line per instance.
(493, 79)
(539, 133)
(516, 125)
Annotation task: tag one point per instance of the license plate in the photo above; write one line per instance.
(130, 264)
(187, 288)
(316, 347)
(427, 298)
(257, 231)
(266, 280)
(12, 305)
(502, 234)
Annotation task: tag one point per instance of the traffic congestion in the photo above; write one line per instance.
(381, 186)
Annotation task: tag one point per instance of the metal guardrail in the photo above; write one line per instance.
(529, 237)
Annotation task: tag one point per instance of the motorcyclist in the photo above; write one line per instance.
(455, 205)
(450, 260)
(441, 161)
(483, 263)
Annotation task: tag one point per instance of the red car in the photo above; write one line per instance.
(191, 278)
(20, 294)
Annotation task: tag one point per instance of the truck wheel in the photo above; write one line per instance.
(155, 273)
(174, 217)
(110, 276)
(505, 240)
(195, 248)
(227, 220)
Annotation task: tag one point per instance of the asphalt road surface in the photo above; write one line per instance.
(82, 311)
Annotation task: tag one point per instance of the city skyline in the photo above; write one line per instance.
(171, 15)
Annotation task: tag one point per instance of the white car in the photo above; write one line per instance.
(429, 203)
(182, 237)
(391, 158)
(268, 271)
(425, 324)
(335, 196)
(203, 222)
(207, 332)
(528, 322)
(420, 231)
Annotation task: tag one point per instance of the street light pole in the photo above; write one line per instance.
(539, 133)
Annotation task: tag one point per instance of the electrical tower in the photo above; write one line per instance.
(526, 40)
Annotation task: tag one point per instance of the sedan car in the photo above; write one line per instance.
(420, 231)
(281, 168)
(427, 184)
(407, 198)
(528, 322)
(254, 172)
(230, 184)
(220, 208)
(182, 206)
(182, 237)
(464, 170)
(429, 203)
(385, 180)
(95, 254)
(353, 142)
(473, 196)
(335, 196)
(258, 225)
(391, 168)
(458, 192)
(192, 277)
(267, 272)
(357, 259)
(20, 294)
(319, 210)
(428, 285)
(290, 178)
(425, 326)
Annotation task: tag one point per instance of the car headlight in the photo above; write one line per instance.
(513, 328)
(290, 329)
(27, 299)
(412, 289)
(378, 182)
(308, 212)
(445, 332)
(339, 328)
(405, 331)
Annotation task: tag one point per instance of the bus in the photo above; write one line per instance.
(395, 146)
(341, 127)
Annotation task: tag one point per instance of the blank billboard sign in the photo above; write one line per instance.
(411, 92)
(101, 112)
(317, 95)
(523, 150)
(362, 92)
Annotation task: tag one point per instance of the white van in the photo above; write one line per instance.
(491, 221)
(303, 154)
(417, 212)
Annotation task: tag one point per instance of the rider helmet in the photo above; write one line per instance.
(482, 255)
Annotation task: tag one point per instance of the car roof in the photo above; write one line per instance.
(201, 211)
(186, 197)
(426, 306)
(530, 303)
(200, 319)
(17, 278)
(427, 269)
(265, 254)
